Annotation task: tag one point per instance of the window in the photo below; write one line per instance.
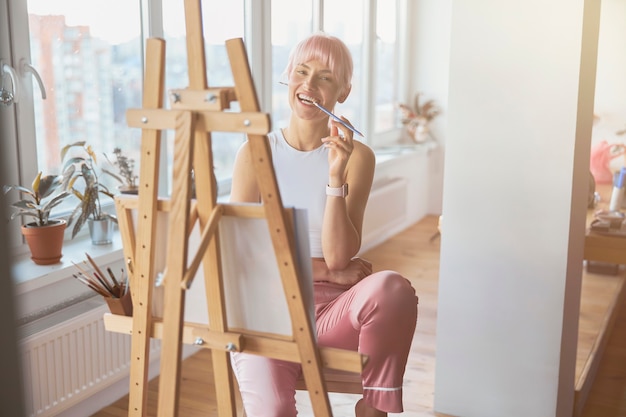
(370, 30)
(291, 21)
(77, 68)
(230, 24)
(90, 59)
(386, 74)
(334, 22)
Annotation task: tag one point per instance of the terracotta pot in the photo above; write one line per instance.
(45, 242)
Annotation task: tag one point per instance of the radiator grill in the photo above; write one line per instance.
(69, 356)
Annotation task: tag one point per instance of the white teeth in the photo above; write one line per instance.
(307, 99)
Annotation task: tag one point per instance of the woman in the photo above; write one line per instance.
(319, 166)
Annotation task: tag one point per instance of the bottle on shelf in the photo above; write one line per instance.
(617, 195)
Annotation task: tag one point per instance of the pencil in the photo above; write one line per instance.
(328, 112)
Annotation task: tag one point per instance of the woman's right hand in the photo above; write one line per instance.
(357, 269)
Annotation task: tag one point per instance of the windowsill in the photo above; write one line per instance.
(390, 153)
(29, 276)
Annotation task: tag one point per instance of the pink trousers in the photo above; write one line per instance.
(377, 317)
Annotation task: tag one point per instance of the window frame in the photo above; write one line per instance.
(19, 164)
(20, 161)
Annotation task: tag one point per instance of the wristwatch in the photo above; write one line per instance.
(337, 191)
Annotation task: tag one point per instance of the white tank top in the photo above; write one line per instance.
(302, 177)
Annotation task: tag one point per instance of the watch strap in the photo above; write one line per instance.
(337, 191)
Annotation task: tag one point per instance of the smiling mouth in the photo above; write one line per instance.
(306, 99)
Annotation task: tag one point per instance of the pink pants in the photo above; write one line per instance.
(377, 317)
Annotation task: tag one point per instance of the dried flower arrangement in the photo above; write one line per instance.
(126, 170)
(417, 118)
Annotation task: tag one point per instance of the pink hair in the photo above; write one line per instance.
(329, 50)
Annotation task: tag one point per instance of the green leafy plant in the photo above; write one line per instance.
(83, 167)
(38, 201)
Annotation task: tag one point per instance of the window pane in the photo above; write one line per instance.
(230, 24)
(89, 59)
(386, 66)
(292, 21)
(336, 23)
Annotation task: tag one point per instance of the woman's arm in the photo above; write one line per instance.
(343, 217)
(357, 269)
(244, 188)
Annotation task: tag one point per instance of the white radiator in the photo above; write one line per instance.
(69, 356)
(386, 211)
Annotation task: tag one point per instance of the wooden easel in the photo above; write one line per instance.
(197, 111)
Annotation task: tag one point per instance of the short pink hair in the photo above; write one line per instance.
(329, 50)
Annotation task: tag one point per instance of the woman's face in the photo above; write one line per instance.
(311, 82)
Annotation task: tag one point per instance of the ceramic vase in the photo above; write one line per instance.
(421, 133)
(101, 231)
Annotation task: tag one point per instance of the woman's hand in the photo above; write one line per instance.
(356, 270)
(340, 148)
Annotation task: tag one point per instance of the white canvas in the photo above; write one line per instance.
(253, 290)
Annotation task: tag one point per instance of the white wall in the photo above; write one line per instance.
(519, 127)
(429, 27)
(430, 50)
(610, 98)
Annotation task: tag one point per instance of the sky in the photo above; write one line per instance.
(97, 14)
(116, 21)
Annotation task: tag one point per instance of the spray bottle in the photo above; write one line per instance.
(618, 190)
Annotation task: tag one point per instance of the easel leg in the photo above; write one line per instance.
(203, 168)
(281, 231)
(143, 275)
(178, 243)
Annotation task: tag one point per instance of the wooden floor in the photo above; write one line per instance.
(416, 256)
(607, 397)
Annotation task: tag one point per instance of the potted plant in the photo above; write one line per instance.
(44, 235)
(417, 118)
(126, 172)
(83, 166)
